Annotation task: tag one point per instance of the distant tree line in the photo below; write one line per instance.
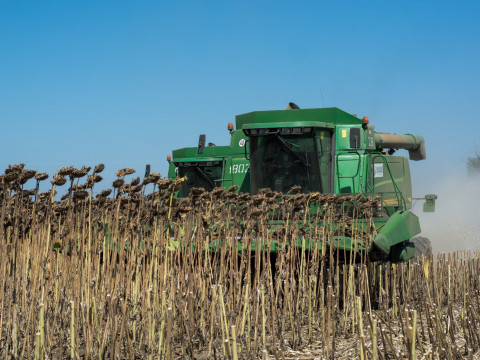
(473, 164)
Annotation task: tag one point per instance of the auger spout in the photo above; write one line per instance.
(415, 144)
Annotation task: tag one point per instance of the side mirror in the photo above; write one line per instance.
(201, 144)
(429, 204)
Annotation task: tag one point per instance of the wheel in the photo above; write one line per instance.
(423, 246)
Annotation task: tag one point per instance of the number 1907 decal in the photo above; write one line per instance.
(239, 168)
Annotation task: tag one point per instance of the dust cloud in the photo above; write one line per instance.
(455, 224)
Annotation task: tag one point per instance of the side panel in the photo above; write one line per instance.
(237, 165)
(237, 172)
(172, 171)
(384, 169)
(349, 137)
(347, 173)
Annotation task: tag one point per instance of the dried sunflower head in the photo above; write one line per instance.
(98, 169)
(134, 189)
(135, 181)
(27, 174)
(196, 191)
(26, 193)
(81, 187)
(155, 176)
(233, 188)
(217, 192)
(10, 177)
(92, 179)
(59, 180)
(41, 176)
(46, 195)
(80, 194)
(294, 190)
(229, 195)
(257, 199)
(118, 183)
(244, 197)
(256, 212)
(177, 183)
(125, 171)
(163, 183)
(104, 193)
(14, 168)
(60, 209)
(76, 173)
(148, 180)
(64, 171)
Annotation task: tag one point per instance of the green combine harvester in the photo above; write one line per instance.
(326, 151)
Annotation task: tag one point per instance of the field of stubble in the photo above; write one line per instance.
(133, 273)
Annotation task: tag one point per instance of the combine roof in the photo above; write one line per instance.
(324, 115)
(210, 153)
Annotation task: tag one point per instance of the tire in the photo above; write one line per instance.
(423, 246)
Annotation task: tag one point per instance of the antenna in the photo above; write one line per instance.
(321, 94)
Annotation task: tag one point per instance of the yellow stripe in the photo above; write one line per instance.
(394, 201)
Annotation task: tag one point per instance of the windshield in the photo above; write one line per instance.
(207, 177)
(279, 162)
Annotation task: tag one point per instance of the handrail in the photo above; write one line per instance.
(402, 204)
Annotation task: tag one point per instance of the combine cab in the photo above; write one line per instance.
(330, 151)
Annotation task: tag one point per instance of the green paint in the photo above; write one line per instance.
(400, 227)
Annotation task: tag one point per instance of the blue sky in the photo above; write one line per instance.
(126, 82)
